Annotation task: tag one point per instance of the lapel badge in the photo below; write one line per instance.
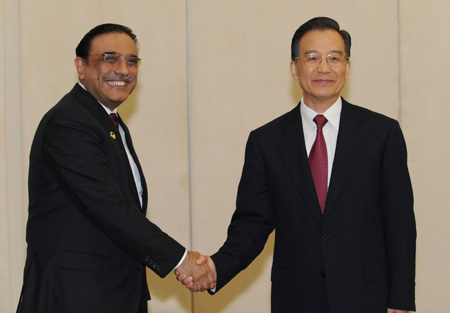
(113, 136)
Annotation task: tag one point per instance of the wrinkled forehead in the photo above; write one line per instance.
(113, 43)
(322, 41)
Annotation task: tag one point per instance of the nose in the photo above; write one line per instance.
(323, 65)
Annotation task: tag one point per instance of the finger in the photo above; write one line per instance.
(181, 277)
(202, 259)
(188, 280)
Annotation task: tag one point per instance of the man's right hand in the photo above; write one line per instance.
(197, 272)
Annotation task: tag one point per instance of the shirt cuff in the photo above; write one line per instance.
(182, 259)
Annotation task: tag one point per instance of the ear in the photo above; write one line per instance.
(294, 70)
(81, 65)
(347, 68)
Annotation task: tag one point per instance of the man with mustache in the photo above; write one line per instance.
(89, 242)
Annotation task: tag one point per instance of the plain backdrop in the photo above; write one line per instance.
(211, 72)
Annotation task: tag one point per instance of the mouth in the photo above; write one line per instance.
(323, 81)
(115, 83)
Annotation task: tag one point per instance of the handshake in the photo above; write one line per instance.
(197, 272)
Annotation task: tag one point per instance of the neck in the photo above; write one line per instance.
(319, 106)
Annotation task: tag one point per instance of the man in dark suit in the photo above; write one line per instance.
(89, 241)
(336, 190)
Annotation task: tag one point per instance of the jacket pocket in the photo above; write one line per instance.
(83, 261)
(376, 270)
(282, 275)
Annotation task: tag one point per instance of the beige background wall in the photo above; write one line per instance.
(211, 72)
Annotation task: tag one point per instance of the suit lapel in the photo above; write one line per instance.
(106, 124)
(94, 107)
(349, 143)
(136, 160)
(291, 146)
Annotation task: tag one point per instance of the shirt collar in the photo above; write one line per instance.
(333, 114)
(106, 108)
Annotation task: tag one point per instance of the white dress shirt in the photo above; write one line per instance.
(330, 130)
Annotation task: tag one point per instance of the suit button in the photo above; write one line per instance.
(325, 237)
(140, 266)
(322, 273)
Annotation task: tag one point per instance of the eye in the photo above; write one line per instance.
(132, 61)
(334, 58)
(313, 58)
(111, 58)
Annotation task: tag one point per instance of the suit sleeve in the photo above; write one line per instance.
(399, 221)
(252, 222)
(86, 164)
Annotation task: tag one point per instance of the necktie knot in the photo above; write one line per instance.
(115, 119)
(320, 121)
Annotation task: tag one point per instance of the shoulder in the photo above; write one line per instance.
(374, 126)
(75, 106)
(356, 111)
(367, 120)
(288, 119)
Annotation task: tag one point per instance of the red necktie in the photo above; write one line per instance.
(318, 161)
(115, 119)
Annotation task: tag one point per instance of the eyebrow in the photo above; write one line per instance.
(332, 51)
(114, 52)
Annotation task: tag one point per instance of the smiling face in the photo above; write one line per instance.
(322, 82)
(109, 84)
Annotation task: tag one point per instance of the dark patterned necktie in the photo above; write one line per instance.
(115, 119)
(318, 161)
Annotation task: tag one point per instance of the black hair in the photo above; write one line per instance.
(318, 23)
(84, 46)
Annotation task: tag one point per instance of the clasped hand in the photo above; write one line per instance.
(197, 272)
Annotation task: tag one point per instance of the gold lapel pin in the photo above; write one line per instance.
(113, 136)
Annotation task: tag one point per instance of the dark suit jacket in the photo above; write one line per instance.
(88, 238)
(359, 256)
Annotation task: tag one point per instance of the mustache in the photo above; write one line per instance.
(126, 78)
